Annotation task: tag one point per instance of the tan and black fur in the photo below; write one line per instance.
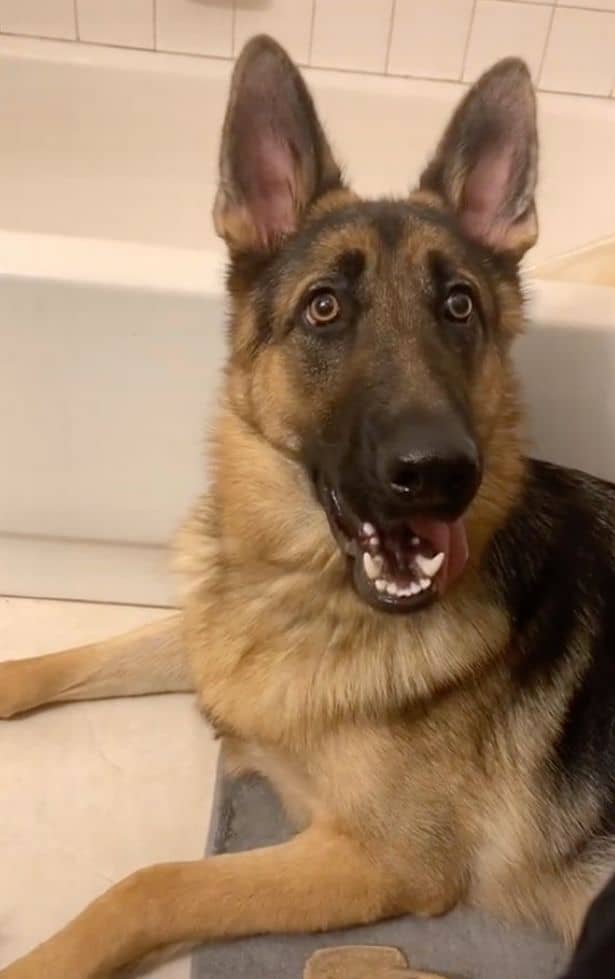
(461, 751)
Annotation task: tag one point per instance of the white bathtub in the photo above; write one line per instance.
(111, 304)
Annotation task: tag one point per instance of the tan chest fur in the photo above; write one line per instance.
(350, 716)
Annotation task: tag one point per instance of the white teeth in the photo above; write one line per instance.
(429, 565)
(368, 566)
(374, 541)
(368, 529)
(414, 588)
(415, 541)
(372, 565)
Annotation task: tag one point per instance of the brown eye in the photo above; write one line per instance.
(323, 308)
(458, 305)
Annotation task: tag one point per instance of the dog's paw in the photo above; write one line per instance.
(17, 692)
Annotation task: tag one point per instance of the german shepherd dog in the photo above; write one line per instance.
(390, 611)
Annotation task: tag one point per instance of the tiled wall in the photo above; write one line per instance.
(569, 44)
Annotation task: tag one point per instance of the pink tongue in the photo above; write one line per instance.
(447, 537)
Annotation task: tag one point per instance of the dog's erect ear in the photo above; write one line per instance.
(274, 159)
(485, 166)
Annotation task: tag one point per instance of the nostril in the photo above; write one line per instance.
(406, 477)
(438, 480)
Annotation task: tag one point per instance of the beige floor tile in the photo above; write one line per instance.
(89, 792)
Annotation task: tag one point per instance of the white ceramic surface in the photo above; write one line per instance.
(424, 38)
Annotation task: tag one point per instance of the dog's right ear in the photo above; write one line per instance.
(485, 166)
(274, 160)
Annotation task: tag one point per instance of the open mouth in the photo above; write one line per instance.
(401, 566)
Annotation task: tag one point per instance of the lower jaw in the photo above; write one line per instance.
(385, 601)
(398, 606)
(391, 603)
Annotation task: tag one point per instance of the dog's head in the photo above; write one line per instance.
(370, 338)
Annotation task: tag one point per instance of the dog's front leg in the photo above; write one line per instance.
(318, 881)
(148, 660)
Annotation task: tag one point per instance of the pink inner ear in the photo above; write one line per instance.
(485, 195)
(268, 183)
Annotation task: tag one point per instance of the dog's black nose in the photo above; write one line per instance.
(429, 463)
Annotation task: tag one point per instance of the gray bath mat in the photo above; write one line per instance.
(464, 943)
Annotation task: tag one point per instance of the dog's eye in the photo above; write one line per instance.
(323, 308)
(458, 305)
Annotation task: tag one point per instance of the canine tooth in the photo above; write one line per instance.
(381, 584)
(415, 541)
(374, 541)
(391, 589)
(414, 588)
(373, 566)
(424, 583)
(368, 529)
(430, 565)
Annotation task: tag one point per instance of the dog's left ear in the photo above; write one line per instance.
(485, 166)
(274, 160)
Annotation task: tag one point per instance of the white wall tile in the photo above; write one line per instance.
(589, 4)
(351, 34)
(195, 26)
(289, 21)
(429, 37)
(501, 29)
(42, 18)
(581, 52)
(123, 22)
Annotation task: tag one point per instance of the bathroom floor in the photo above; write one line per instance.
(90, 792)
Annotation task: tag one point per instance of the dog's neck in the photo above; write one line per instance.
(266, 509)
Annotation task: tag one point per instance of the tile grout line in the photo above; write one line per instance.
(591, 10)
(559, 6)
(543, 56)
(8, 596)
(311, 41)
(361, 73)
(390, 37)
(468, 39)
